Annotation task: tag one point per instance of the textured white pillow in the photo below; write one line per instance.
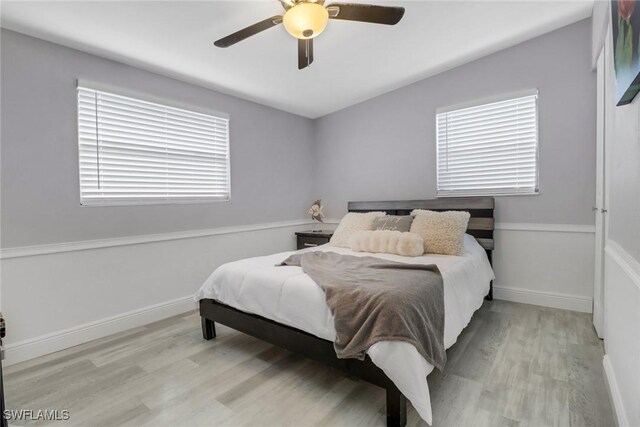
(443, 232)
(350, 223)
(387, 241)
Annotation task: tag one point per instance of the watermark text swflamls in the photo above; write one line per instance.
(36, 415)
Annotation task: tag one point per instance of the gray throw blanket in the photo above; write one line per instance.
(376, 300)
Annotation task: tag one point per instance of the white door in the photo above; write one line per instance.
(599, 206)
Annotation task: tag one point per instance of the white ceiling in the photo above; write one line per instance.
(353, 61)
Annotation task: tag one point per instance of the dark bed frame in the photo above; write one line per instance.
(481, 226)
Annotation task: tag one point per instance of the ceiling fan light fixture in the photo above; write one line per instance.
(305, 20)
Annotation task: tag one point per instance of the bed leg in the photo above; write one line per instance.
(489, 296)
(208, 328)
(396, 408)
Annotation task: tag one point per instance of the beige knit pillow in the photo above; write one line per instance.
(351, 223)
(443, 232)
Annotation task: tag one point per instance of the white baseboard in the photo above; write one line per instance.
(546, 299)
(59, 340)
(622, 322)
(614, 393)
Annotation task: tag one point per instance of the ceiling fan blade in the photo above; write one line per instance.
(251, 30)
(305, 53)
(366, 13)
(287, 4)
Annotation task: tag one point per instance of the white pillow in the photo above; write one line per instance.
(387, 241)
(351, 223)
(443, 232)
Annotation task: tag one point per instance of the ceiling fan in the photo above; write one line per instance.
(306, 19)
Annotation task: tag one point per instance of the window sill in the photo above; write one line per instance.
(488, 194)
(99, 204)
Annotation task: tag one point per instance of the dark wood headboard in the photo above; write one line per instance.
(480, 226)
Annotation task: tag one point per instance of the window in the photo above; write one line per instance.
(489, 149)
(137, 152)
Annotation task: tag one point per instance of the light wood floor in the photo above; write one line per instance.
(514, 365)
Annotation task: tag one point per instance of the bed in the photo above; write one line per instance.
(285, 307)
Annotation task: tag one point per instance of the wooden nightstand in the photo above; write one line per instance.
(308, 239)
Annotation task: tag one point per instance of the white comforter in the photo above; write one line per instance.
(288, 296)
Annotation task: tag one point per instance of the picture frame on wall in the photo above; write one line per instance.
(625, 17)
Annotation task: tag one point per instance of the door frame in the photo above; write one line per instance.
(600, 194)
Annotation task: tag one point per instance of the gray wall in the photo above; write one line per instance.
(380, 149)
(271, 152)
(384, 148)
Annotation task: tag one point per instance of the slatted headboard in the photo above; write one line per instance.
(481, 210)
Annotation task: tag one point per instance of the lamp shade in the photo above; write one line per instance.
(305, 20)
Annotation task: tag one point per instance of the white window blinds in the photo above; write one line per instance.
(489, 149)
(135, 152)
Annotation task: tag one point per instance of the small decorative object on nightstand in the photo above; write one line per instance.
(309, 239)
(316, 212)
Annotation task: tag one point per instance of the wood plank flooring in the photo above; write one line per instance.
(514, 365)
